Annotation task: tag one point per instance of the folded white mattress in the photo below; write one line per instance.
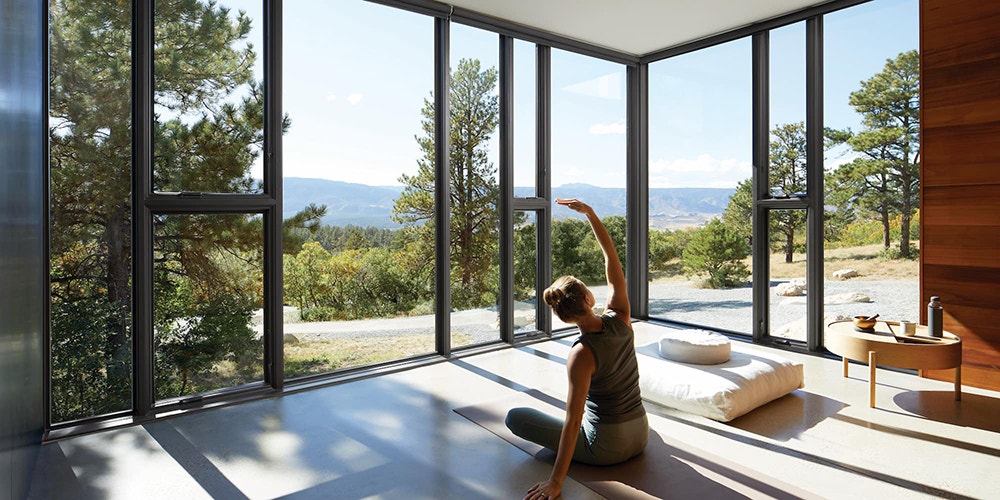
(721, 392)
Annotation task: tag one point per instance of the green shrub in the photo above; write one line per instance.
(663, 248)
(322, 313)
(718, 250)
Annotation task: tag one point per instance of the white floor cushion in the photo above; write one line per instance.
(721, 392)
(700, 347)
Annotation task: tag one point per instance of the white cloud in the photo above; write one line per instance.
(331, 97)
(702, 171)
(617, 128)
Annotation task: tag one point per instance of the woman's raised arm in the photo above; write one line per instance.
(617, 288)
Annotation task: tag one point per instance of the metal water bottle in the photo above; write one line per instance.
(934, 317)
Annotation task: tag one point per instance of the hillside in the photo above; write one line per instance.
(363, 205)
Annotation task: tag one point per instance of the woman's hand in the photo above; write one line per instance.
(575, 204)
(544, 490)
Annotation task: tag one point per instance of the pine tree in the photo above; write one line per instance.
(474, 188)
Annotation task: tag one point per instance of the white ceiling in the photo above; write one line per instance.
(635, 27)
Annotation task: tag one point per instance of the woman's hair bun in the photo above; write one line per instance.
(566, 296)
(553, 296)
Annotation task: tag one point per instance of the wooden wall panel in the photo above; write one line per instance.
(960, 145)
(968, 205)
(972, 245)
(960, 178)
(958, 31)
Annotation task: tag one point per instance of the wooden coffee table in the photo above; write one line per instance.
(887, 346)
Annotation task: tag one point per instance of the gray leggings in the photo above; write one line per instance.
(601, 444)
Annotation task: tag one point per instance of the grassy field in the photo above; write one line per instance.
(866, 260)
(307, 357)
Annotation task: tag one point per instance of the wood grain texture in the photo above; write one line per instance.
(960, 178)
(961, 245)
(968, 145)
(958, 31)
(971, 205)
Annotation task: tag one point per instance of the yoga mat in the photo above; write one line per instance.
(666, 469)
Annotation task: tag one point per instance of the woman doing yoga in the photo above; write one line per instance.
(605, 421)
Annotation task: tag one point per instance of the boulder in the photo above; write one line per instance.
(843, 274)
(847, 298)
(789, 290)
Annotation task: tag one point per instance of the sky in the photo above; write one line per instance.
(356, 75)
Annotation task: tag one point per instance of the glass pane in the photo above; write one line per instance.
(475, 186)
(208, 96)
(207, 295)
(358, 185)
(872, 247)
(525, 98)
(588, 163)
(700, 112)
(788, 274)
(788, 111)
(526, 304)
(90, 146)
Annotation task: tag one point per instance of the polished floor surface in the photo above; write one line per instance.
(397, 436)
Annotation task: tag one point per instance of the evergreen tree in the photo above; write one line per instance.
(885, 177)
(788, 174)
(474, 190)
(717, 250)
(207, 136)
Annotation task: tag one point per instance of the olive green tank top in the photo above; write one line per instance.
(614, 387)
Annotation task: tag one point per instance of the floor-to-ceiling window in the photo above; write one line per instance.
(90, 205)
(358, 164)
(786, 181)
(474, 162)
(207, 140)
(870, 171)
(871, 105)
(700, 177)
(588, 162)
(525, 104)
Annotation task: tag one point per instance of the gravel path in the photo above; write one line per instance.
(731, 309)
(728, 309)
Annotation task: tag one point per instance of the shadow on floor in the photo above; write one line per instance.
(973, 410)
(790, 416)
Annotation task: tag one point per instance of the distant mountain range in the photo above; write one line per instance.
(363, 205)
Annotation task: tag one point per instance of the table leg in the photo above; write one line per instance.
(845, 366)
(871, 379)
(958, 383)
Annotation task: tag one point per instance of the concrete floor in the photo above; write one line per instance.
(396, 436)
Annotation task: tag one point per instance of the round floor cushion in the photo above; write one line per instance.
(699, 347)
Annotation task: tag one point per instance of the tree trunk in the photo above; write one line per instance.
(904, 233)
(116, 237)
(789, 246)
(886, 238)
(117, 231)
(904, 230)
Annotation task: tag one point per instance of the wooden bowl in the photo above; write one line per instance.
(864, 322)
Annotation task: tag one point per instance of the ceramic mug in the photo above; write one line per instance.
(909, 328)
